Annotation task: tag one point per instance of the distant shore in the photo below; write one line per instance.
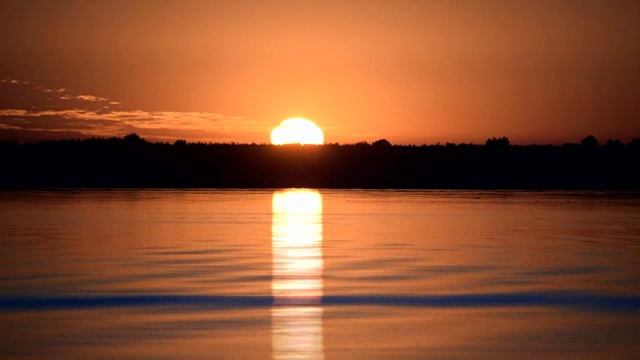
(132, 162)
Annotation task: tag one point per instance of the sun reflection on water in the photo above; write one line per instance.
(297, 275)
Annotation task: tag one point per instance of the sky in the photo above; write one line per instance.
(412, 72)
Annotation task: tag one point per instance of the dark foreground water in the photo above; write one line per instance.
(311, 274)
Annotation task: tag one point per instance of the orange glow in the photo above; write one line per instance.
(412, 72)
(297, 275)
(297, 131)
(297, 246)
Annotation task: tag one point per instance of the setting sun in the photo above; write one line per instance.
(297, 131)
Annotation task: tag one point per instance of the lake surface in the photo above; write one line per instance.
(319, 274)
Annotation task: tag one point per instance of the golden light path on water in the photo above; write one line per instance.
(296, 320)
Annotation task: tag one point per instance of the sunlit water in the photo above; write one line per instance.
(319, 274)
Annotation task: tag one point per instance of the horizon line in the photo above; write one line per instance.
(383, 141)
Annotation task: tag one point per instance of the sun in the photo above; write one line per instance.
(297, 131)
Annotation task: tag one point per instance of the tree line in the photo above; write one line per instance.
(132, 162)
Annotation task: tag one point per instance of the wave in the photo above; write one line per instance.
(578, 300)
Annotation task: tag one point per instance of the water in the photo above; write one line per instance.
(334, 274)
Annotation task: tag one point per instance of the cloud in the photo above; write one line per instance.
(202, 126)
(83, 98)
(56, 111)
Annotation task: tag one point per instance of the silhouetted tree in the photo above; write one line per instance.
(137, 163)
(381, 143)
(589, 142)
(634, 144)
(9, 143)
(134, 138)
(614, 144)
(497, 142)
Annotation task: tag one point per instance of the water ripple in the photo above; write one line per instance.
(578, 300)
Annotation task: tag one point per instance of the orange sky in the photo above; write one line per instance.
(408, 71)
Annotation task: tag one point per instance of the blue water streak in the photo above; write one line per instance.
(583, 300)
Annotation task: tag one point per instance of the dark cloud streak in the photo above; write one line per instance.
(29, 112)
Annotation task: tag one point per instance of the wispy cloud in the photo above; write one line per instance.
(40, 109)
(14, 81)
(83, 98)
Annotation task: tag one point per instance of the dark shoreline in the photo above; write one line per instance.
(135, 163)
